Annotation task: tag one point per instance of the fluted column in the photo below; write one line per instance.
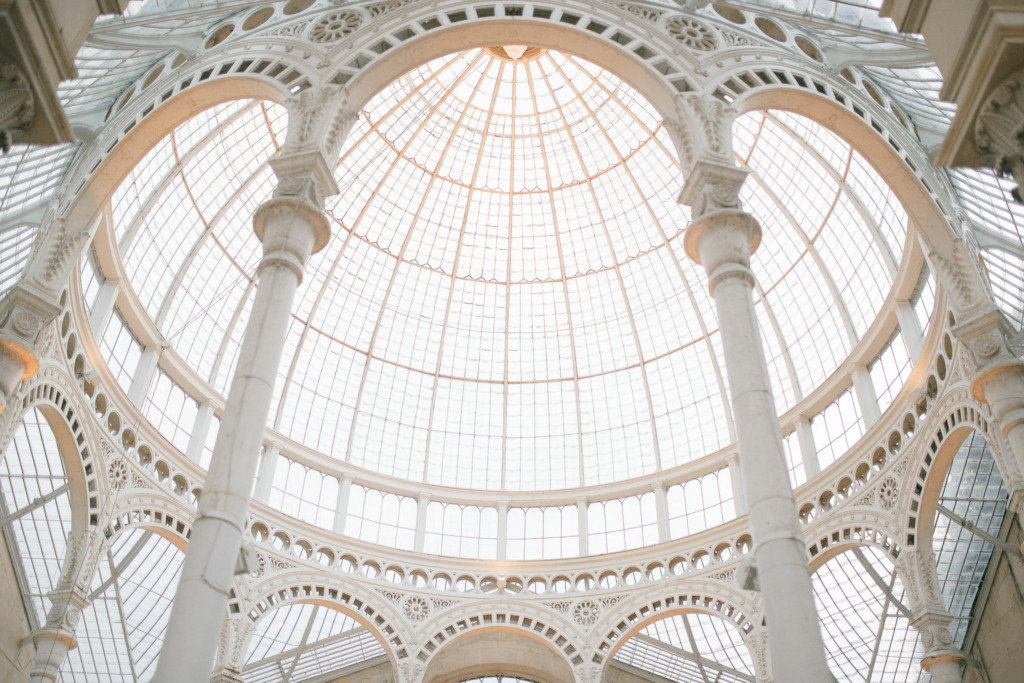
(916, 568)
(292, 227)
(721, 238)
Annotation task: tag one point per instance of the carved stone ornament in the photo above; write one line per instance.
(118, 474)
(586, 612)
(691, 33)
(708, 121)
(415, 608)
(647, 13)
(335, 26)
(379, 8)
(17, 106)
(888, 493)
(999, 132)
(960, 274)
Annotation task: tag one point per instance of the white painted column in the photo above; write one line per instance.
(581, 521)
(86, 548)
(144, 375)
(661, 504)
(721, 238)
(808, 449)
(864, 389)
(201, 429)
(910, 327)
(421, 522)
(739, 489)
(341, 505)
(265, 475)
(292, 229)
(103, 307)
(502, 529)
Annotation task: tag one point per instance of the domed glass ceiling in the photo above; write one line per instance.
(505, 302)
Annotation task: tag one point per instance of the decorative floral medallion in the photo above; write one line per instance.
(692, 34)
(888, 492)
(335, 26)
(416, 608)
(118, 474)
(586, 612)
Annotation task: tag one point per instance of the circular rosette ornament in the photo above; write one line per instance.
(692, 34)
(416, 608)
(586, 612)
(335, 26)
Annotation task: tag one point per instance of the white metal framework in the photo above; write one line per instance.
(502, 403)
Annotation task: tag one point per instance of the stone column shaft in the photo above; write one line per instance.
(291, 231)
(722, 240)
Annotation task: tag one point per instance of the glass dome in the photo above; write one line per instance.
(505, 303)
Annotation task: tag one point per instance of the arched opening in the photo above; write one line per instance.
(35, 503)
(970, 510)
(299, 642)
(865, 617)
(130, 604)
(683, 647)
(509, 654)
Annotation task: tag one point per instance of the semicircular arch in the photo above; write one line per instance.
(372, 611)
(889, 148)
(716, 598)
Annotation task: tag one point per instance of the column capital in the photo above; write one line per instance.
(999, 130)
(936, 636)
(991, 339)
(23, 315)
(319, 120)
(305, 176)
(712, 186)
(704, 130)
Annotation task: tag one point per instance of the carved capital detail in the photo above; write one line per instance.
(916, 568)
(999, 131)
(708, 121)
(936, 636)
(17, 105)
(23, 314)
(319, 121)
(711, 186)
(992, 342)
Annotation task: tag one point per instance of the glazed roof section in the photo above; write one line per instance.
(506, 276)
